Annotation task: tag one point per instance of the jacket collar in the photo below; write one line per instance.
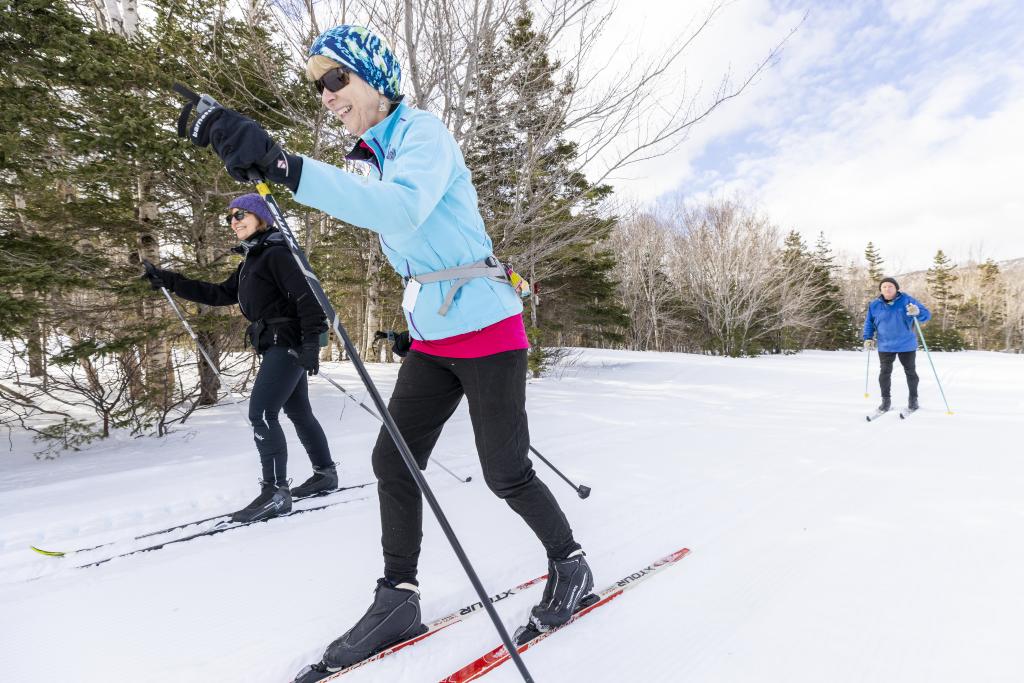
(364, 149)
(259, 241)
(896, 298)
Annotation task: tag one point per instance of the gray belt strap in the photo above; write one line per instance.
(489, 267)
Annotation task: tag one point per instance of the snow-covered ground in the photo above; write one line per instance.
(824, 548)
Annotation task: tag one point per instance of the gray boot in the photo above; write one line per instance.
(393, 617)
(273, 501)
(324, 479)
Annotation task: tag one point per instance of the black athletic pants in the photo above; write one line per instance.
(907, 360)
(281, 383)
(427, 391)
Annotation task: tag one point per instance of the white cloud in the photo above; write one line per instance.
(902, 128)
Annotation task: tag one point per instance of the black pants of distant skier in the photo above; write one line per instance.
(427, 392)
(281, 383)
(908, 359)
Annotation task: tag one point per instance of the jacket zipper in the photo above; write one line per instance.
(378, 152)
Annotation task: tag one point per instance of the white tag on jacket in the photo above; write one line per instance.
(412, 292)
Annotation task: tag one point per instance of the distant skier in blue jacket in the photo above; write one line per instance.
(891, 318)
(462, 307)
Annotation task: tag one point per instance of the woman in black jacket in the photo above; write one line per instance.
(285, 327)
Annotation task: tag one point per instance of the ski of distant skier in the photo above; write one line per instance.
(319, 672)
(526, 639)
(222, 525)
(904, 414)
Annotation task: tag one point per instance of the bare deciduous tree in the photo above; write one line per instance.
(737, 292)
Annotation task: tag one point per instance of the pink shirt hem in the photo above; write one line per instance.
(505, 335)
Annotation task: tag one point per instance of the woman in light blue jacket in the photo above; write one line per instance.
(463, 313)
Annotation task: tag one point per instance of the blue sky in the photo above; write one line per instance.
(895, 122)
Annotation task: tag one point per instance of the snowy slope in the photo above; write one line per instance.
(824, 548)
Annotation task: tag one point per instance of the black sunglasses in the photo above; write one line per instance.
(237, 214)
(334, 80)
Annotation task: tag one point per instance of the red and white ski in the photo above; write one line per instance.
(499, 655)
(432, 628)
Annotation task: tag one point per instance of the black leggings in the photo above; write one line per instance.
(281, 383)
(907, 360)
(427, 392)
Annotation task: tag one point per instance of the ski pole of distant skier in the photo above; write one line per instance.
(349, 395)
(203, 104)
(867, 374)
(920, 332)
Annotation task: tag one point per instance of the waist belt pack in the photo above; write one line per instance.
(258, 327)
(490, 268)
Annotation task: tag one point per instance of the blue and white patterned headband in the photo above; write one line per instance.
(365, 54)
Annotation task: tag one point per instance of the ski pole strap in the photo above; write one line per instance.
(489, 267)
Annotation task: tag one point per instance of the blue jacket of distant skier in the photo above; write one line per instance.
(422, 204)
(895, 328)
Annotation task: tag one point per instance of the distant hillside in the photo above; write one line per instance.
(1011, 268)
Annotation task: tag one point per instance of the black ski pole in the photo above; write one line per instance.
(378, 401)
(202, 350)
(582, 491)
(349, 395)
(195, 338)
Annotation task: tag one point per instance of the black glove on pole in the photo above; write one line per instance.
(240, 142)
(158, 278)
(255, 174)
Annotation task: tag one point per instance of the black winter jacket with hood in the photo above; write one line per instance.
(269, 287)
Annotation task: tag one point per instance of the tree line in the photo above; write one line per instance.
(721, 278)
(94, 180)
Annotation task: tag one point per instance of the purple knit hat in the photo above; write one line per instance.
(253, 203)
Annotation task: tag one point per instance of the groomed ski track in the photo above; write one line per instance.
(824, 548)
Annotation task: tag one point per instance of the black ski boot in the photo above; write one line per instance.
(569, 583)
(912, 403)
(272, 501)
(324, 479)
(393, 617)
(313, 673)
(885, 405)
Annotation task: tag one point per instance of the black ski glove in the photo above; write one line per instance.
(158, 278)
(400, 341)
(308, 358)
(242, 145)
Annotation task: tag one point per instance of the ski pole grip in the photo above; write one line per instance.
(255, 176)
(187, 93)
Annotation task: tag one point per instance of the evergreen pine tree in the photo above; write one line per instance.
(542, 214)
(982, 316)
(838, 329)
(942, 334)
(875, 270)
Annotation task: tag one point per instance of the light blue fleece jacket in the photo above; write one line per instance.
(424, 208)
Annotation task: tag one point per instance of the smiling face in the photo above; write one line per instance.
(245, 226)
(357, 105)
(888, 290)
